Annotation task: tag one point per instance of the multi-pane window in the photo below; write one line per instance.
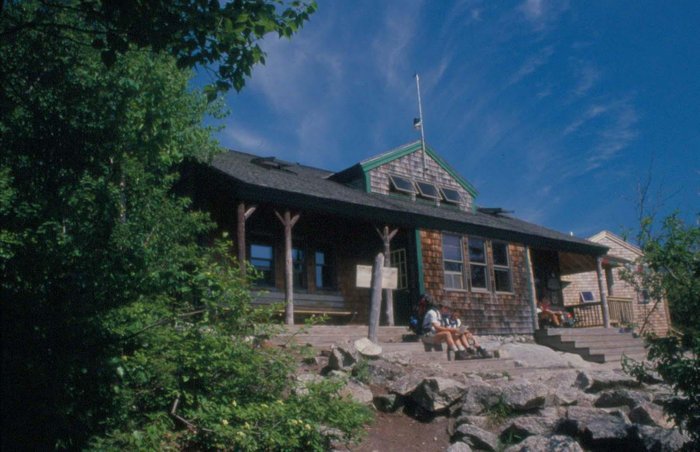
(324, 270)
(477, 263)
(398, 260)
(501, 267)
(452, 261)
(299, 268)
(262, 258)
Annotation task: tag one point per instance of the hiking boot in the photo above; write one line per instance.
(461, 355)
(482, 352)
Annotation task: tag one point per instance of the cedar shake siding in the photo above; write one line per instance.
(483, 311)
(655, 315)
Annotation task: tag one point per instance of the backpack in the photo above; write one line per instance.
(415, 322)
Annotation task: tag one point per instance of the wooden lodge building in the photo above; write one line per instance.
(486, 264)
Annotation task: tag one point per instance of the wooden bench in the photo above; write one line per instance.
(307, 303)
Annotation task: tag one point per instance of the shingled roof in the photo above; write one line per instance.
(260, 179)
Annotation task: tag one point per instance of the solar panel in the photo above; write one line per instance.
(451, 195)
(402, 184)
(428, 190)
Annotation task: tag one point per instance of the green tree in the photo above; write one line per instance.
(119, 330)
(220, 36)
(670, 269)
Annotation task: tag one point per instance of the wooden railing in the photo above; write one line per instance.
(620, 309)
(587, 314)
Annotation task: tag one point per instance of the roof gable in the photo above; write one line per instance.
(607, 235)
(402, 151)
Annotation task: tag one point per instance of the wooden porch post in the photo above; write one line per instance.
(533, 292)
(288, 221)
(386, 237)
(376, 298)
(601, 288)
(242, 215)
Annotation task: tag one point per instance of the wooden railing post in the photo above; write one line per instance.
(603, 295)
(288, 221)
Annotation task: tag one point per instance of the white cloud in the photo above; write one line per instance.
(531, 64)
(245, 140)
(586, 77)
(542, 13)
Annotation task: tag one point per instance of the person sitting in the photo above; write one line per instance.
(462, 335)
(546, 315)
(435, 331)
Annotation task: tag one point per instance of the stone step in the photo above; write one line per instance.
(594, 331)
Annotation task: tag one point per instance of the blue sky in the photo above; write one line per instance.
(556, 110)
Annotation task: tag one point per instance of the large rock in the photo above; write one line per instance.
(367, 348)
(620, 397)
(649, 414)
(387, 403)
(358, 392)
(406, 384)
(658, 439)
(522, 427)
(524, 396)
(554, 443)
(596, 381)
(381, 372)
(476, 437)
(480, 397)
(459, 446)
(597, 429)
(435, 394)
(300, 385)
(341, 359)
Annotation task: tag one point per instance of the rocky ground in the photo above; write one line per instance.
(556, 402)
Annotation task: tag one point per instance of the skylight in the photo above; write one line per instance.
(402, 184)
(451, 195)
(428, 190)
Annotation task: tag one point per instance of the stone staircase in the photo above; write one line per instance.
(398, 340)
(600, 345)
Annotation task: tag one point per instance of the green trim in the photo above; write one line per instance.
(411, 148)
(419, 259)
(368, 185)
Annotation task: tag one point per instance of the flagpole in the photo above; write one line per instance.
(420, 116)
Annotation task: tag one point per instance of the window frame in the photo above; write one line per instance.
(437, 196)
(485, 265)
(447, 199)
(303, 273)
(502, 267)
(395, 186)
(328, 265)
(452, 273)
(263, 282)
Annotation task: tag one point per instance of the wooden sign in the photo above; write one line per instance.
(390, 277)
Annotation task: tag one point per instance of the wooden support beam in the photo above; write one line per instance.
(533, 292)
(242, 215)
(376, 298)
(386, 237)
(601, 289)
(288, 221)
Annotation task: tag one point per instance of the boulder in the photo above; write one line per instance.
(358, 392)
(435, 394)
(299, 387)
(476, 437)
(387, 403)
(381, 371)
(662, 440)
(459, 446)
(480, 421)
(649, 414)
(367, 348)
(406, 384)
(598, 429)
(524, 396)
(596, 381)
(479, 397)
(554, 443)
(341, 359)
(401, 358)
(620, 397)
(525, 426)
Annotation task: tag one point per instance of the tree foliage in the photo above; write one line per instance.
(222, 36)
(121, 331)
(670, 269)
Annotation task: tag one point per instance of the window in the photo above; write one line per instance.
(644, 297)
(587, 297)
(298, 268)
(324, 270)
(262, 258)
(428, 190)
(398, 260)
(501, 267)
(452, 261)
(451, 195)
(477, 263)
(402, 184)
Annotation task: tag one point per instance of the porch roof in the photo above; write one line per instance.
(252, 178)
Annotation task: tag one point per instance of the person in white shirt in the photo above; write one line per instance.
(436, 333)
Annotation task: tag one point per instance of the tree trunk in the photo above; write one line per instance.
(386, 237)
(603, 295)
(288, 222)
(376, 299)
